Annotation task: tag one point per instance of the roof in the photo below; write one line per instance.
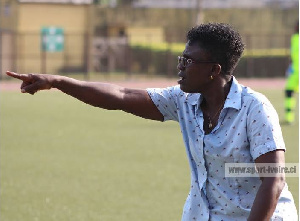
(79, 2)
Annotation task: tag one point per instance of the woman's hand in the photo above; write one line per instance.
(33, 82)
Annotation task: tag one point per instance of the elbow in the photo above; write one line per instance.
(274, 184)
(280, 183)
(277, 183)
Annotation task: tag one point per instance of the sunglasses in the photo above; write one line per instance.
(186, 61)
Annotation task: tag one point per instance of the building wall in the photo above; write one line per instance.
(25, 21)
(214, 3)
(145, 35)
(32, 17)
(266, 31)
(8, 15)
(8, 19)
(175, 22)
(263, 20)
(260, 28)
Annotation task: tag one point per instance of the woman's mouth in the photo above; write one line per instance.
(181, 80)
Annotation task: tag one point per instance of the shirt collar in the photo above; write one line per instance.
(233, 99)
(193, 99)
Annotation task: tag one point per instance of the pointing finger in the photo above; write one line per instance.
(13, 74)
(23, 77)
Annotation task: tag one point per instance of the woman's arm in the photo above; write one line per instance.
(103, 95)
(268, 193)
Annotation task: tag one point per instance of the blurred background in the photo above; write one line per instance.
(137, 37)
(61, 159)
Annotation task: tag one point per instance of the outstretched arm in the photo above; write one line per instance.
(103, 95)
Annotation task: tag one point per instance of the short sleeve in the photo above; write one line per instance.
(263, 129)
(165, 100)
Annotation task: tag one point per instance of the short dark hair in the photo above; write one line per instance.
(220, 41)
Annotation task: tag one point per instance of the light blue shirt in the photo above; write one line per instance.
(248, 127)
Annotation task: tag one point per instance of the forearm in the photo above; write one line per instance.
(266, 199)
(107, 96)
(103, 95)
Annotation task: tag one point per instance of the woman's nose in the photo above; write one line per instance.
(180, 66)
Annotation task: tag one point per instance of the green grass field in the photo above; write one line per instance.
(64, 160)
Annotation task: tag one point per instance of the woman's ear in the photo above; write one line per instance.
(216, 69)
